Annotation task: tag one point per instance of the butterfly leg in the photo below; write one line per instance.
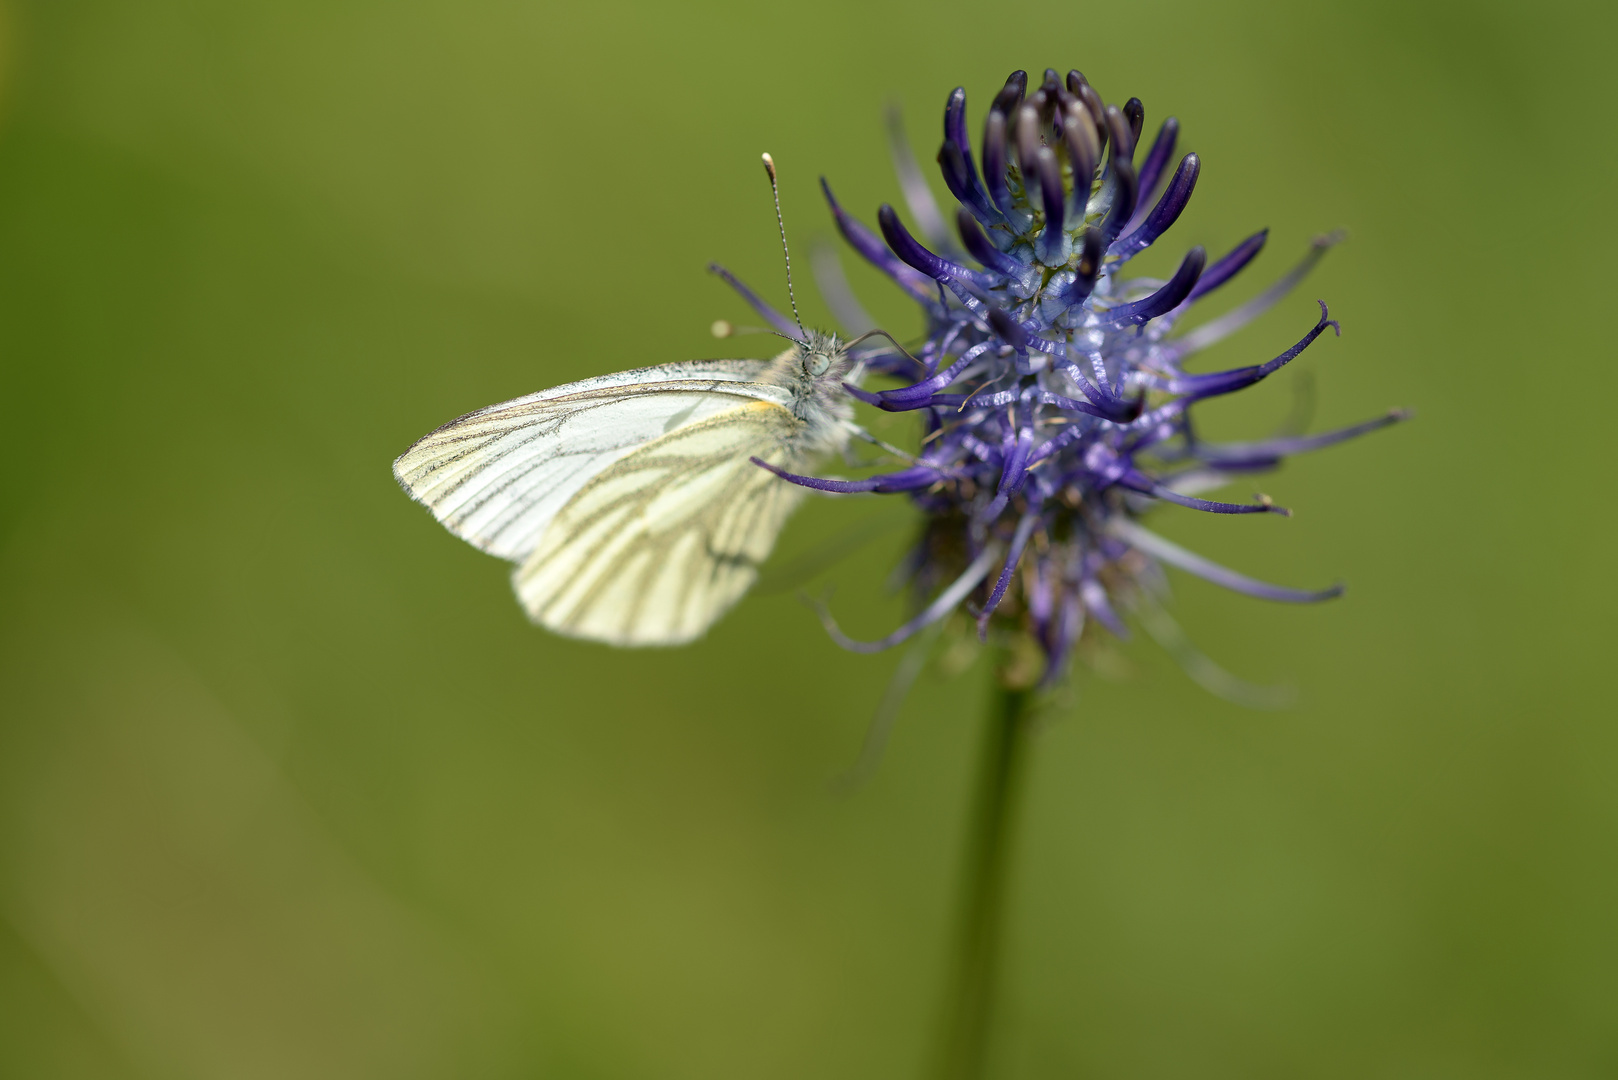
(865, 436)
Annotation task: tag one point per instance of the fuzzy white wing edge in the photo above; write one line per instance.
(498, 476)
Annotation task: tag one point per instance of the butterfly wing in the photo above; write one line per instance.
(661, 543)
(497, 477)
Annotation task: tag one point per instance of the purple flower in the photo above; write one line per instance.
(1055, 405)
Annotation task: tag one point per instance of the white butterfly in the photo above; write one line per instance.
(629, 502)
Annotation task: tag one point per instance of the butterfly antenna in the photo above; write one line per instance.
(775, 190)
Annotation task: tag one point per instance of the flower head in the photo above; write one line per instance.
(1055, 403)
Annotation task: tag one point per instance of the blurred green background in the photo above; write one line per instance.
(289, 788)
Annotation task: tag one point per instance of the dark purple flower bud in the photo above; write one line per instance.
(1083, 153)
(955, 157)
(1164, 214)
(1026, 139)
(1050, 188)
(1123, 137)
(1135, 113)
(1086, 93)
(994, 160)
(978, 246)
(1011, 94)
(1157, 158)
(1089, 268)
(1052, 84)
(1121, 172)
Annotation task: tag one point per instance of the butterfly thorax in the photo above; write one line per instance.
(812, 372)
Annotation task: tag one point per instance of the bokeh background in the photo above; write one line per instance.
(289, 788)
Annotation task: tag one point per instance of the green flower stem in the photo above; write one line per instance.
(970, 1006)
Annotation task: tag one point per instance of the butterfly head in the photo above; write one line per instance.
(822, 356)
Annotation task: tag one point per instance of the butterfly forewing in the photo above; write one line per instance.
(499, 476)
(665, 539)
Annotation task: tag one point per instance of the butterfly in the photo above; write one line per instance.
(631, 502)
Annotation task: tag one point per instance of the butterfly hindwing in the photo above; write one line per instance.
(664, 540)
(499, 476)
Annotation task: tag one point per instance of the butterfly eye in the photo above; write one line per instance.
(816, 364)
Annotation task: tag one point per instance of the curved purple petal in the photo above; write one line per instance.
(781, 323)
(1164, 214)
(1165, 299)
(1224, 382)
(918, 476)
(864, 241)
(1229, 265)
(1157, 159)
(909, 249)
(1189, 561)
(945, 603)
